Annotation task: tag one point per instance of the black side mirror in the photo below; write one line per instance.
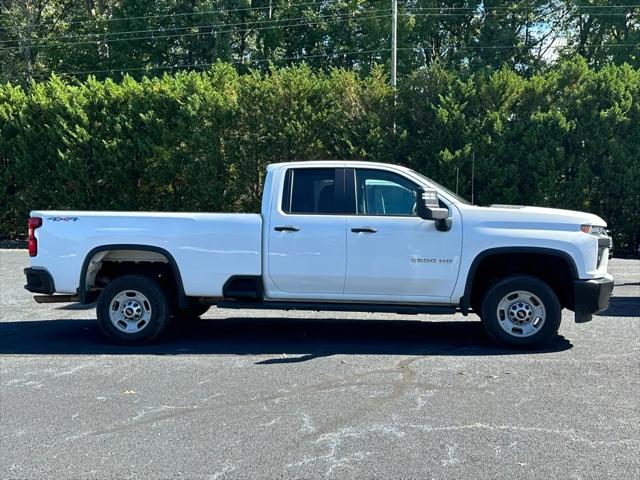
(428, 208)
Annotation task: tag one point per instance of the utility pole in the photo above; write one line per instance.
(394, 55)
(394, 41)
(473, 172)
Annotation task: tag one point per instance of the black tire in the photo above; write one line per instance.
(497, 323)
(153, 304)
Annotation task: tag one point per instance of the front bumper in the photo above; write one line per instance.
(39, 281)
(591, 296)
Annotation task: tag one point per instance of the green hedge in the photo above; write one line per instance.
(569, 138)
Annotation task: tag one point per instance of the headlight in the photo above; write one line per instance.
(595, 230)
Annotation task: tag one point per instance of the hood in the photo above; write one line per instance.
(534, 217)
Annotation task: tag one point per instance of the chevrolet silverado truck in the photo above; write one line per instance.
(331, 235)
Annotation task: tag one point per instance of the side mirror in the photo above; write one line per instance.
(428, 208)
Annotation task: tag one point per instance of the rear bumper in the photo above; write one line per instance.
(39, 281)
(591, 296)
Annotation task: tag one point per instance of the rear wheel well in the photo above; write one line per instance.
(554, 270)
(106, 265)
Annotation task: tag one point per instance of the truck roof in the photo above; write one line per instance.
(334, 163)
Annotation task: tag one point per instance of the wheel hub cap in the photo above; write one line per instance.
(130, 311)
(521, 313)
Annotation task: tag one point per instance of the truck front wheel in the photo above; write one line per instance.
(521, 310)
(132, 310)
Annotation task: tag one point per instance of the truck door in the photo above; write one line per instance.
(392, 253)
(307, 238)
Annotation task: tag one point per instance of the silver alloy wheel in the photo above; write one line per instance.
(130, 311)
(521, 314)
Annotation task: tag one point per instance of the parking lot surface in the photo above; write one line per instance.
(254, 394)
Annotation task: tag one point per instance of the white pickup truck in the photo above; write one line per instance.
(344, 236)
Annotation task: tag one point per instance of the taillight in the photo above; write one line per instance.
(34, 222)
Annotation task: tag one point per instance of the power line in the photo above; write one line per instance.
(101, 35)
(302, 58)
(490, 47)
(467, 14)
(243, 24)
(511, 9)
(209, 64)
(322, 3)
(183, 14)
(307, 22)
(310, 22)
(520, 7)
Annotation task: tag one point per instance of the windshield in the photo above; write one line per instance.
(438, 186)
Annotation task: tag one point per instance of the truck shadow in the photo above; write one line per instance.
(291, 340)
(622, 307)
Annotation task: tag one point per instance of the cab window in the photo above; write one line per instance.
(309, 191)
(379, 192)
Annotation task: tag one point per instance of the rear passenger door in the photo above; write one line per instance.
(307, 236)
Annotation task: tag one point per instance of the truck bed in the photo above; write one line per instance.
(205, 246)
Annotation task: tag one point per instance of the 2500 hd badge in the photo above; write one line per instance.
(431, 260)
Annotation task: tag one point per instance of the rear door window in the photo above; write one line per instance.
(313, 191)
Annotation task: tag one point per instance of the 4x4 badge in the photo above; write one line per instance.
(63, 219)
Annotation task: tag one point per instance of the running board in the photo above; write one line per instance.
(340, 307)
(56, 298)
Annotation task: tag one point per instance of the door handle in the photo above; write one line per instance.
(364, 230)
(287, 228)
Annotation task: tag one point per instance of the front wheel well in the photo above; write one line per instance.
(554, 269)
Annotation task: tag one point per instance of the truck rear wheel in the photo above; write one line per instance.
(521, 310)
(132, 310)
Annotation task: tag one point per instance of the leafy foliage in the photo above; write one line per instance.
(566, 138)
(110, 38)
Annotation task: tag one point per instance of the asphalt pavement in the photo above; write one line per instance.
(257, 394)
